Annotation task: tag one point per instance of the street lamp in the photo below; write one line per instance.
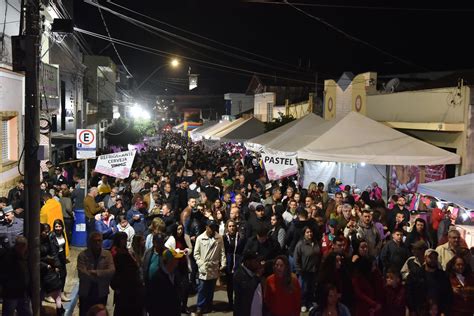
(173, 63)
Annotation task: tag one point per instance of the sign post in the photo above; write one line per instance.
(86, 148)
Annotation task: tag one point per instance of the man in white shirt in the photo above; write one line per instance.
(448, 250)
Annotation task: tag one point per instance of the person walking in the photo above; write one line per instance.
(210, 258)
(59, 243)
(164, 286)
(307, 259)
(234, 244)
(15, 277)
(51, 283)
(282, 290)
(248, 289)
(126, 283)
(95, 268)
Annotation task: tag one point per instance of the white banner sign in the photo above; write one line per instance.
(279, 166)
(116, 165)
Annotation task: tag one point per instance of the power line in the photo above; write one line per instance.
(167, 54)
(113, 45)
(377, 8)
(351, 37)
(249, 60)
(203, 37)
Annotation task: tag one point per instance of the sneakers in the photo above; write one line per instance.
(64, 298)
(304, 309)
(49, 299)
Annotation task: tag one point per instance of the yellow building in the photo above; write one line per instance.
(442, 116)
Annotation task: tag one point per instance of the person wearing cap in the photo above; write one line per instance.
(248, 286)
(10, 228)
(16, 198)
(164, 286)
(429, 285)
(448, 250)
(210, 258)
(416, 261)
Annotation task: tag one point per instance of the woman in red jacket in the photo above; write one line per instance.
(368, 289)
(282, 292)
(462, 282)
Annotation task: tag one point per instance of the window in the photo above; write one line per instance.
(9, 139)
(5, 142)
(269, 112)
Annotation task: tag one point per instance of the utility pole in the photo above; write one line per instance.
(32, 38)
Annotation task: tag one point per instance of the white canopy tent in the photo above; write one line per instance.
(215, 134)
(194, 134)
(206, 133)
(459, 190)
(292, 136)
(256, 143)
(359, 139)
(241, 131)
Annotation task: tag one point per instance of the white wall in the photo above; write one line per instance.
(261, 100)
(12, 99)
(240, 102)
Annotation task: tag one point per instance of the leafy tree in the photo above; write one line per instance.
(279, 121)
(122, 132)
(145, 128)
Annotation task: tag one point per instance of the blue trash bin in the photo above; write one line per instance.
(79, 232)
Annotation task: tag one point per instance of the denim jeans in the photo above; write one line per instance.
(206, 293)
(308, 286)
(21, 305)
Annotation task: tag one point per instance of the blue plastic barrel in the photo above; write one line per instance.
(79, 232)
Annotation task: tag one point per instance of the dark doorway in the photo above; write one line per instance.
(450, 169)
(63, 105)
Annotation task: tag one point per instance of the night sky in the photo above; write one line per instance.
(425, 37)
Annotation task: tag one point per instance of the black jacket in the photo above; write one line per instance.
(234, 249)
(212, 193)
(253, 225)
(394, 256)
(268, 251)
(165, 298)
(16, 278)
(295, 233)
(245, 285)
(423, 286)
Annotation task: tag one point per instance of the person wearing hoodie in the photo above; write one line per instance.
(105, 225)
(124, 226)
(256, 220)
(136, 217)
(369, 232)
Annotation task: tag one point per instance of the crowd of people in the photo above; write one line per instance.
(189, 218)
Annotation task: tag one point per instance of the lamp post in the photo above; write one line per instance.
(173, 63)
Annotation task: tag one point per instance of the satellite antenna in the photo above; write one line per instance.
(390, 86)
